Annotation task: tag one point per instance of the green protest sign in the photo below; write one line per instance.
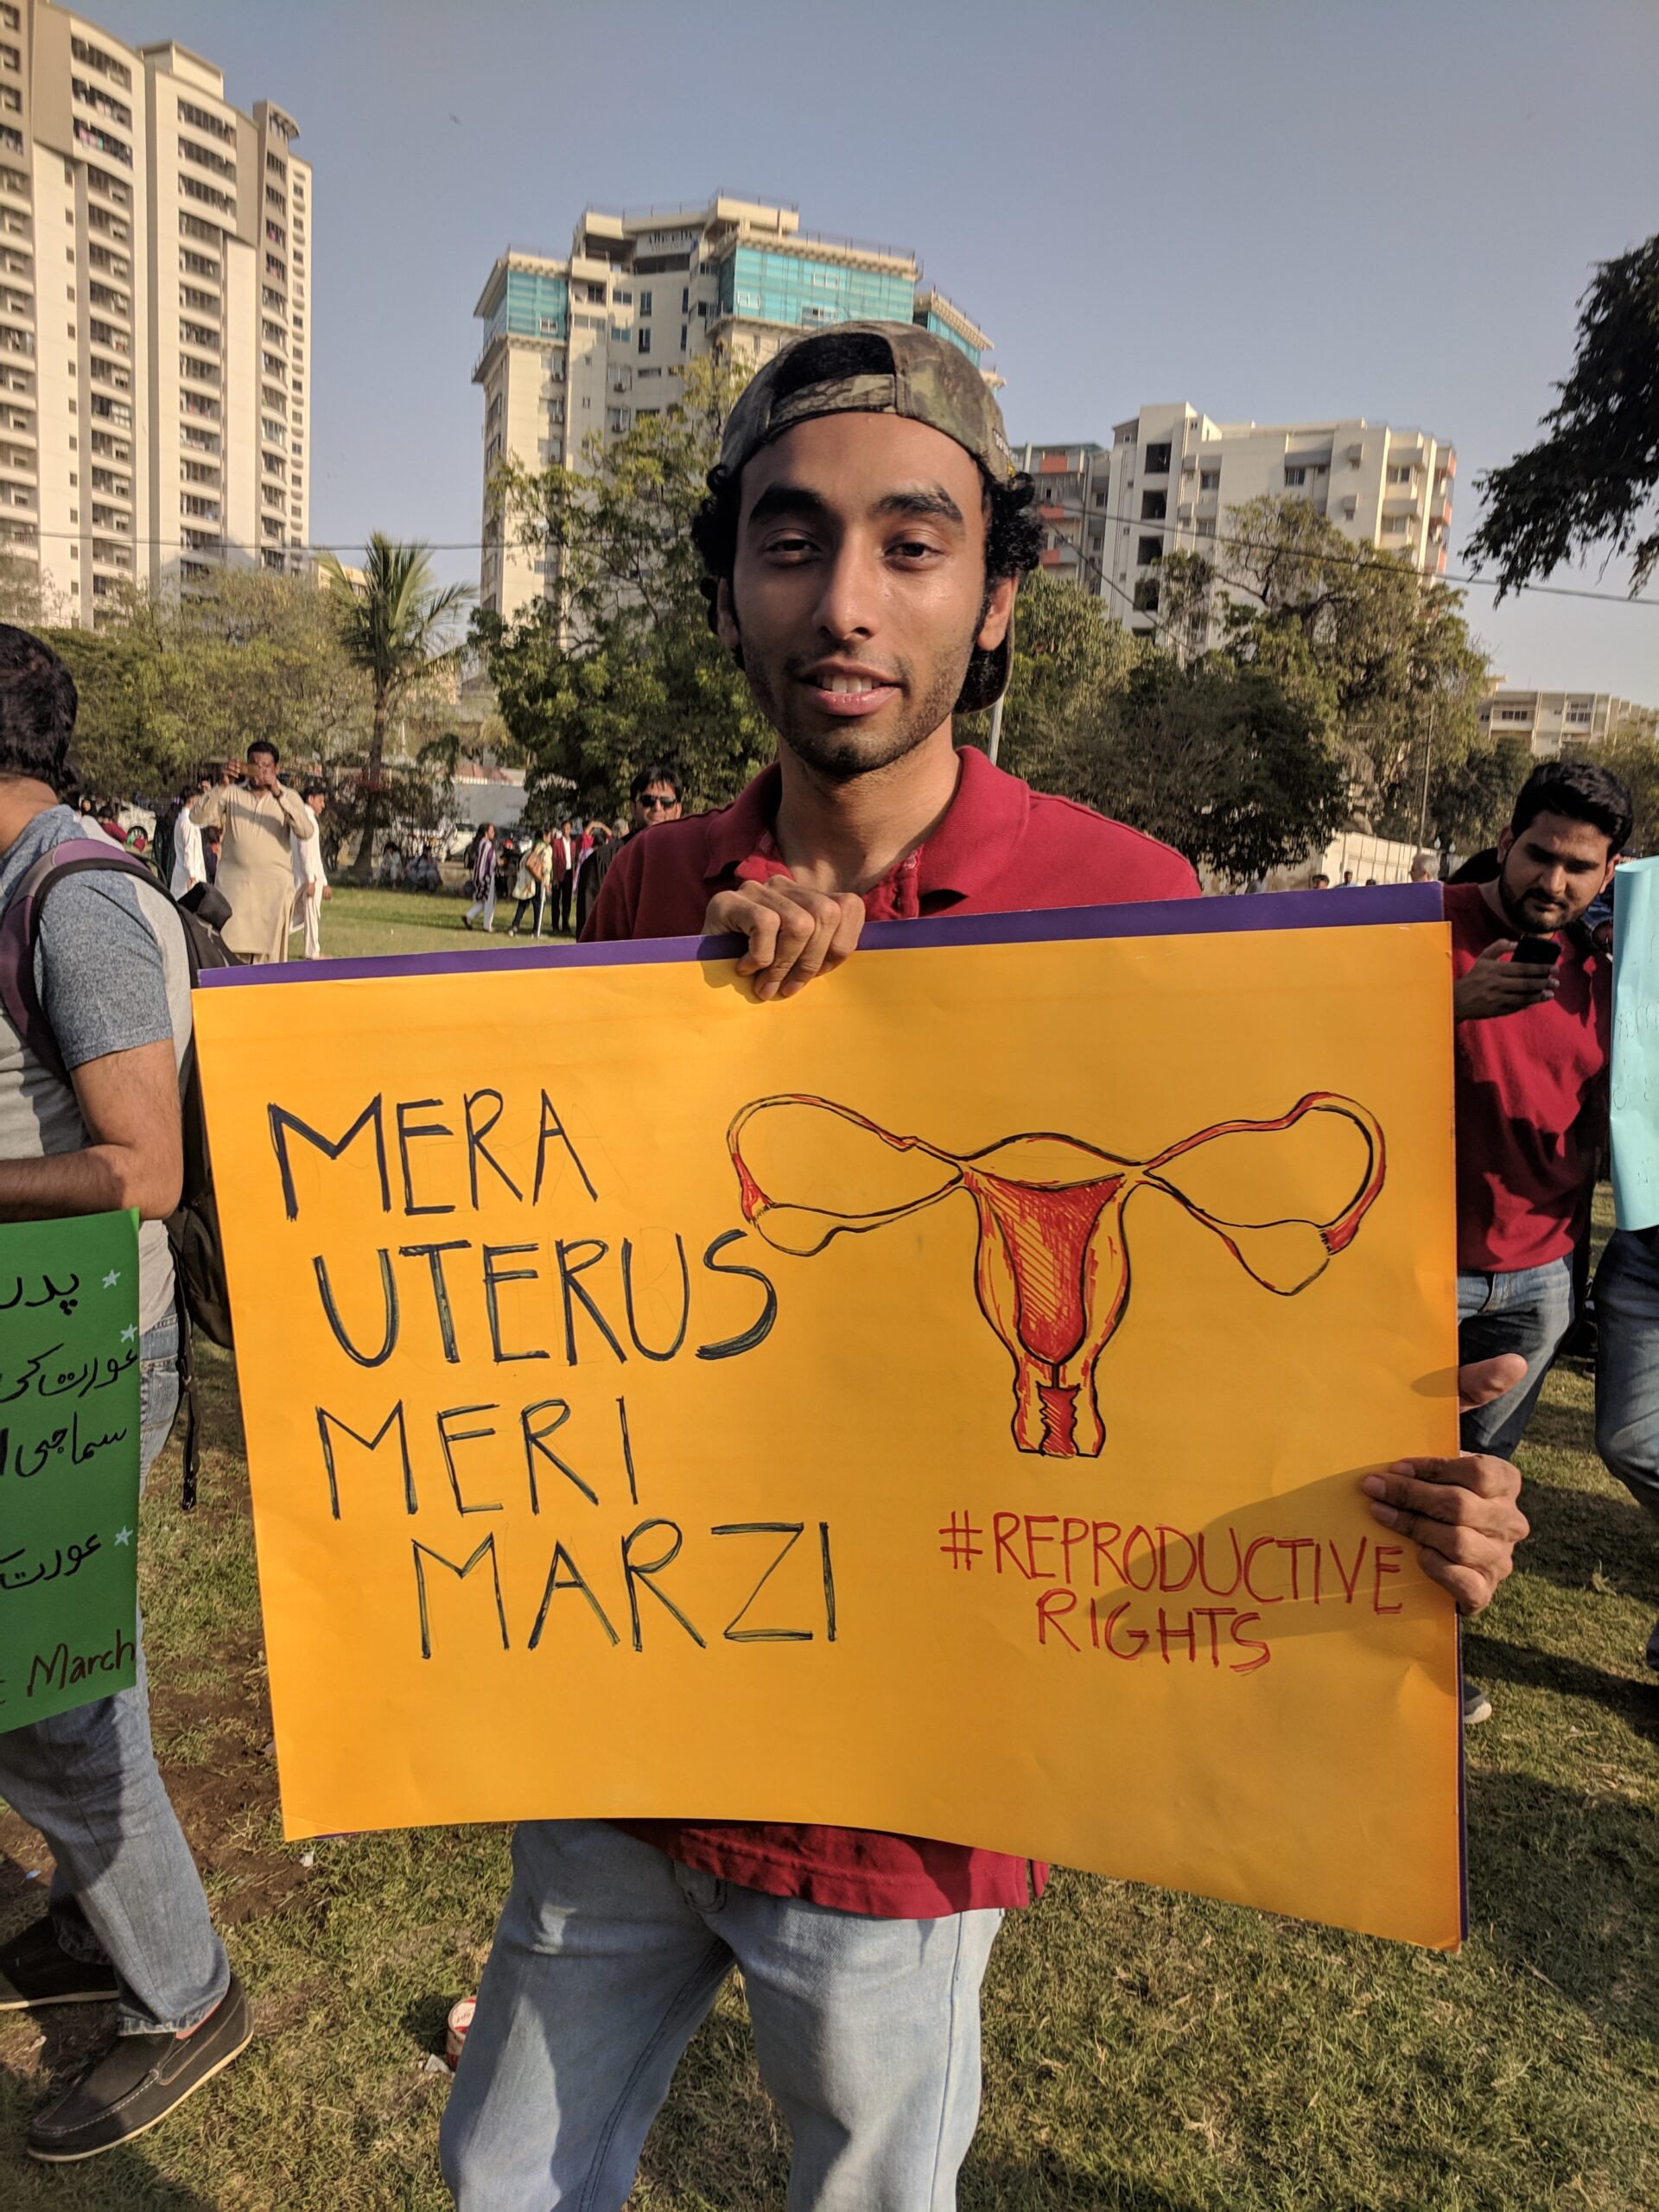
(69, 1453)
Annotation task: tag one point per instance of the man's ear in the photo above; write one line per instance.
(1505, 843)
(999, 613)
(726, 627)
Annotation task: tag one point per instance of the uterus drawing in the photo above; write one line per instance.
(1052, 1259)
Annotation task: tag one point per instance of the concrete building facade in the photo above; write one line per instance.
(1551, 721)
(155, 340)
(578, 346)
(1170, 475)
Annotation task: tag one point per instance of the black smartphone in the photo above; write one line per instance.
(1537, 951)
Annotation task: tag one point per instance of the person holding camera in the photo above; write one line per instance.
(260, 820)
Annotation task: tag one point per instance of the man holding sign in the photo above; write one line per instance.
(98, 1133)
(864, 539)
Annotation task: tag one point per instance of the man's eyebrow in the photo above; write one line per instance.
(787, 499)
(914, 501)
(922, 499)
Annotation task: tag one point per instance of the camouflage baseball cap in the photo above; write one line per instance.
(879, 368)
(869, 368)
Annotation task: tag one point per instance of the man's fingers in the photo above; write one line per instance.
(1462, 1517)
(794, 933)
(1483, 1380)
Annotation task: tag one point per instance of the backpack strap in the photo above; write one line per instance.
(20, 931)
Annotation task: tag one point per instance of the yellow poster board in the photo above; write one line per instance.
(935, 1403)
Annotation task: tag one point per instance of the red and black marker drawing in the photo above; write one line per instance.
(1051, 1265)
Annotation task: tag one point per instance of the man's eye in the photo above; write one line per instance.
(791, 547)
(914, 548)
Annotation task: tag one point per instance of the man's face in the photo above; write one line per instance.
(859, 591)
(316, 802)
(1549, 872)
(657, 802)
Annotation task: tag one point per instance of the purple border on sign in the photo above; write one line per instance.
(1284, 910)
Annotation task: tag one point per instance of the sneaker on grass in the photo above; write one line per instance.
(35, 1969)
(137, 2081)
(1477, 1706)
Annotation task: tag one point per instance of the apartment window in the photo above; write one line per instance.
(594, 294)
(1402, 474)
(1150, 550)
(1157, 461)
(90, 57)
(1207, 529)
(205, 158)
(617, 418)
(200, 119)
(645, 341)
(683, 337)
(1208, 479)
(1294, 477)
(645, 302)
(11, 57)
(622, 299)
(1396, 525)
(210, 196)
(1154, 506)
(685, 299)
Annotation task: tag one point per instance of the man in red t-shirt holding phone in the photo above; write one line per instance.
(1533, 1003)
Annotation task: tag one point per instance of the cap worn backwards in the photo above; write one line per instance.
(869, 368)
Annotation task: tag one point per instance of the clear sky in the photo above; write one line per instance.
(1275, 208)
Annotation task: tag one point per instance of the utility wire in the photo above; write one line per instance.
(1359, 559)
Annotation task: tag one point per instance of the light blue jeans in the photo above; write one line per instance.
(1528, 1310)
(125, 1890)
(608, 1956)
(1627, 1370)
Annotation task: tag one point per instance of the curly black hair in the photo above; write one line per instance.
(38, 704)
(1013, 541)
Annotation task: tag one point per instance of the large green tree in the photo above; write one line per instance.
(1633, 757)
(617, 670)
(1592, 479)
(1381, 654)
(396, 625)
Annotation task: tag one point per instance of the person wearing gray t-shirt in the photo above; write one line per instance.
(128, 1918)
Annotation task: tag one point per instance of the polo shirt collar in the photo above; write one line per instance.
(971, 847)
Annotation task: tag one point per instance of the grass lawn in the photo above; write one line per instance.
(1144, 2051)
(356, 922)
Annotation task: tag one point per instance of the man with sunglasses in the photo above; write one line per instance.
(653, 796)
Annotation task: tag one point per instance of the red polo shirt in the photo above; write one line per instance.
(1531, 1102)
(1001, 848)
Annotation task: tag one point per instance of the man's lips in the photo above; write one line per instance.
(848, 695)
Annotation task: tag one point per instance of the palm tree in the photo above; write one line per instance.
(393, 623)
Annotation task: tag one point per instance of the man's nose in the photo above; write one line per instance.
(849, 602)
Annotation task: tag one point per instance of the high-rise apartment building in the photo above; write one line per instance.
(155, 342)
(1170, 475)
(583, 345)
(1550, 721)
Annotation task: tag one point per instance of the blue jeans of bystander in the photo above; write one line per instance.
(1527, 1310)
(1627, 1370)
(607, 1957)
(125, 1888)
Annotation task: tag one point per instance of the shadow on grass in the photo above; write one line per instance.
(1635, 1699)
(1043, 2181)
(1576, 1532)
(1565, 1884)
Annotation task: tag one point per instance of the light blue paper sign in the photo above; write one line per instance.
(1635, 1044)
